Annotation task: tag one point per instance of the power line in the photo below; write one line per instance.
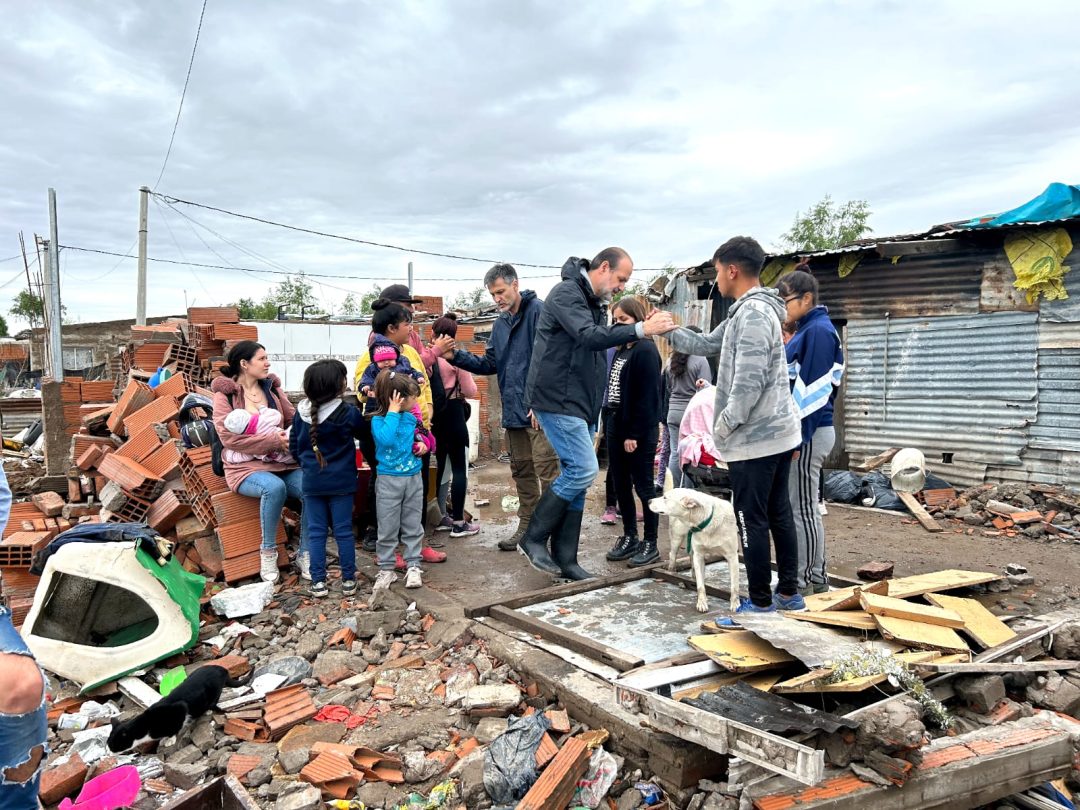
(11, 258)
(183, 94)
(171, 200)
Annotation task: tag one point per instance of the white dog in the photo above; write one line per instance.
(707, 525)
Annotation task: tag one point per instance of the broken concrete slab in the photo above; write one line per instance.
(502, 698)
(247, 600)
(368, 624)
(294, 668)
(1055, 692)
(980, 694)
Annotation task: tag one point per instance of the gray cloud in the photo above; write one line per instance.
(525, 131)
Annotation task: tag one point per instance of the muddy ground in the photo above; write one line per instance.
(476, 569)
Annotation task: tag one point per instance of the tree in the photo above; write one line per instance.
(31, 308)
(469, 300)
(353, 305)
(826, 225)
(3, 327)
(294, 294)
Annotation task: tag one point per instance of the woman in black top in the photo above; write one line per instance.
(633, 411)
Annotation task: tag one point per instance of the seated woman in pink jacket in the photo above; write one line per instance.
(451, 430)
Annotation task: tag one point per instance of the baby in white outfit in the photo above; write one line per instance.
(241, 422)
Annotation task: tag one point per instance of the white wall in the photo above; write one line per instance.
(294, 345)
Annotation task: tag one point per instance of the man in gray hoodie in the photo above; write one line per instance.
(755, 425)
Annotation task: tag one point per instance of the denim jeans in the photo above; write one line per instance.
(23, 747)
(320, 513)
(572, 439)
(272, 489)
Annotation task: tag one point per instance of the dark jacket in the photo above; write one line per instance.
(367, 379)
(509, 351)
(338, 425)
(566, 375)
(638, 413)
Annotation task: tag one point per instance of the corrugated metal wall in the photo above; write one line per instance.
(961, 388)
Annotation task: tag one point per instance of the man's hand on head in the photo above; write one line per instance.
(659, 322)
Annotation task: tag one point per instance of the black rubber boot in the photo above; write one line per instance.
(647, 555)
(564, 548)
(546, 519)
(625, 548)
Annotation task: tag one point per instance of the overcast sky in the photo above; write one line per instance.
(520, 131)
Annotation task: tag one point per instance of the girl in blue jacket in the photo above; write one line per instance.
(815, 367)
(323, 440)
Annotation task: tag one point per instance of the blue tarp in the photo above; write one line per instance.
(1059, 201)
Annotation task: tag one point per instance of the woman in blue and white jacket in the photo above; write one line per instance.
(815, 367)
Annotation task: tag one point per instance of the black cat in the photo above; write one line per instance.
(196, 695)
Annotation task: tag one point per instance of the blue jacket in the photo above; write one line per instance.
(339, 424)
(394, 436)
(815, 368)
(508, 354)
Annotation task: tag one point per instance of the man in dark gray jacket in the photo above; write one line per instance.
(564, 390)
(754, 423)
(533, 464)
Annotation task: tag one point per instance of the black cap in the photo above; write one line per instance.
(400, 294)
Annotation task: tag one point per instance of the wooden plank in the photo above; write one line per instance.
(904, 587)
(901, 609)
(618, 659)
(759, 680)
(980, 624)
(872, 463)
(741, 651)
(482, 609)
(920, 635)
(645, 678)
(919, 511)
(851, 601)
(1002, 668)
(812, 682)
(855, 619)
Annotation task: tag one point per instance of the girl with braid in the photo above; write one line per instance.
(323, 440)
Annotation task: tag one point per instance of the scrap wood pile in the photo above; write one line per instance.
(128, 463)
(354, 699)
(956, 671)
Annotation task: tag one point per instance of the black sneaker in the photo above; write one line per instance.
(625, 547)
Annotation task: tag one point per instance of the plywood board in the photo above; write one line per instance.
(759, 680)
(980, 624)
(741, 651)
(904, 587)
(900, 609)
(920, 635)
(855, 619)
(851, 602)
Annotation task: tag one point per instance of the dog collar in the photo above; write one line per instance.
(700, 527)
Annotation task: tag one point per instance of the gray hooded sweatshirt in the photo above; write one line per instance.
(755, 415)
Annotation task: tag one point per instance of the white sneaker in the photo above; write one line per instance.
(384, 581)
(822, 508)
(414, 578)
(268, 568)
(303, 562)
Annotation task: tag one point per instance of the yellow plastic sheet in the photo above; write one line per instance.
(773, 271)
(848, 262)
(1037, 258)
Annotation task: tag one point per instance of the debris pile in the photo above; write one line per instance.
(351, 700)
(1038, 511)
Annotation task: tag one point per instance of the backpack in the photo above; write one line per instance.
(196, 431)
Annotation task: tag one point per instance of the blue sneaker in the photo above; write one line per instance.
(747, 606)
(788, 602)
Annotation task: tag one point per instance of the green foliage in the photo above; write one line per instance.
(359, 305)
(826, 225)
(470, 300)
(3, 327)
(294, 294)
(30, 308)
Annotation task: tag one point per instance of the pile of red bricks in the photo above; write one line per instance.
(128, 464)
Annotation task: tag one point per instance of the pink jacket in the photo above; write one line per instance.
(696, 428)
(227, 396)
(457, 378)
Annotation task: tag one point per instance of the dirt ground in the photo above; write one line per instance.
(476, 570)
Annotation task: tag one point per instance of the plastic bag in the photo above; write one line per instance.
(878, 492)
(592, 789)
(510, 761)
(842, 486)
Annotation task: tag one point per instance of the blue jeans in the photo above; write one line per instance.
(23, 748)
(320, 513)
(272, 489)
(572, 439)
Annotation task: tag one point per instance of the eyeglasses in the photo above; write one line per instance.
(791, 298)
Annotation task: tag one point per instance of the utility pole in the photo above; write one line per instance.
(410, 278)
(140, 297)
(52, 304)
